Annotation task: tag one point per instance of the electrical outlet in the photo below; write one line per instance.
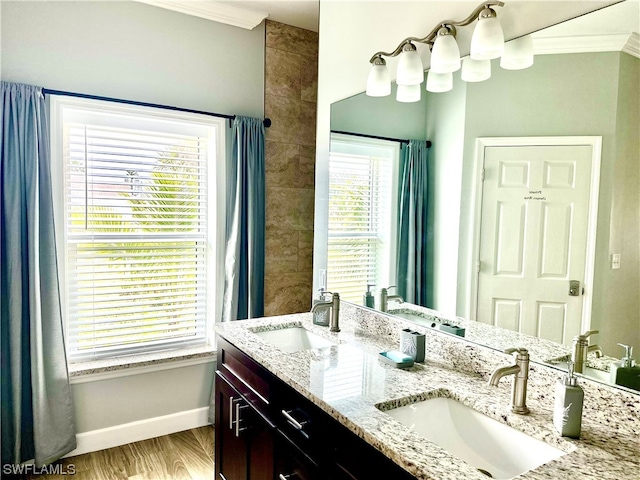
(615, 261)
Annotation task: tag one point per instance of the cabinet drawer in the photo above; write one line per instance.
(304, 423)
(247, 376)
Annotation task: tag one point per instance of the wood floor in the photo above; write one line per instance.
(184, 455)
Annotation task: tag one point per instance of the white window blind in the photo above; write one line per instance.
(361, 249)
(137, 224)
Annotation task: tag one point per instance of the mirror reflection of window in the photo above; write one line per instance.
(363, 185)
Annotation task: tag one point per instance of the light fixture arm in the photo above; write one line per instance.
(450, 24)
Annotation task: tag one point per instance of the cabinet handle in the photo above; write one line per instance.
(294, 423)
(238, 420)
(233, 401)
(291, 476)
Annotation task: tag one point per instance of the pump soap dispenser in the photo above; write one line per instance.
(321, 315)
(368, 300)
(625, 372)
(567, 412)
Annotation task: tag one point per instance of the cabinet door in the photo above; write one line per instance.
(244, 441)
(231, 447)
(260, 437)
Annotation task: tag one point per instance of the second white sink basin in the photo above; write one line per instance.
(294, 339)
(482, 442)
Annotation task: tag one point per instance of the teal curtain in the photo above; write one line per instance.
(412, 223)
(37, 411)
(244, 263)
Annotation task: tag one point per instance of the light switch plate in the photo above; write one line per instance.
(615, 261)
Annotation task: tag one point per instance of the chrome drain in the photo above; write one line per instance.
(484, 472)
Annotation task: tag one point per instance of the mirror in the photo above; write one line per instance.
(592, 92)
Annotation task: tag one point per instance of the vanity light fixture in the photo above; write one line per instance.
(518, 54)
(379, 81)
(475, 70)
(408, 93)
(487, 43)
(445, 55)
(410, 70)
(439, 82)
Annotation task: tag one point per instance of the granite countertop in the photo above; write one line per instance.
(349, 382)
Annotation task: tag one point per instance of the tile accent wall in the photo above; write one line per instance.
(291, 81)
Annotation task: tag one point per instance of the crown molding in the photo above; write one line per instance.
(214, 11)
(632, 47)
(624, 42)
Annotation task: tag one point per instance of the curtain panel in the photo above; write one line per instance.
(245, 248)
(412, 253)
(37, 410)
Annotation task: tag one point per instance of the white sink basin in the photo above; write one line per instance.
(482, 442)
(597, 374)
(294, 339)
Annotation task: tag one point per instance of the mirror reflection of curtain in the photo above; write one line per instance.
(412, 223)
(37, 409)
(244, 262)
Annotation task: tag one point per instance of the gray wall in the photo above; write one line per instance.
(446, 129)
(619, 300)
(381, 116)
(134, 51)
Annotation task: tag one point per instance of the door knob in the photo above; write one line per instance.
(574, 288)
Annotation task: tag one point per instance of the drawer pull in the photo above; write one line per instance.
(238, 419)
(292, 421)
(291, 476)
(232, 401)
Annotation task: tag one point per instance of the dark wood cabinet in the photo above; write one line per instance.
(244, 441)
(265, 430)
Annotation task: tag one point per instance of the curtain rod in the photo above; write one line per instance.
(428, 142)
(46, 91)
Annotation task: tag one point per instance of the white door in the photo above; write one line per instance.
(533, 238)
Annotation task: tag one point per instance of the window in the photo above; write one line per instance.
(135, 200)
(362, 215)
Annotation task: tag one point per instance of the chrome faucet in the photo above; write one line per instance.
(581, 348)
(385, 297)
(521, 374)
(334, 305)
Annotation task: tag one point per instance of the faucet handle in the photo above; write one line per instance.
(520, 351)
(586, 334)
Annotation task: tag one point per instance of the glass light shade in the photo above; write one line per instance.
(475, 70)
(408, 93)
(445, 56)
(487, 41)
(439, 82)
(410, 69)
(518, 54)
(379, 81)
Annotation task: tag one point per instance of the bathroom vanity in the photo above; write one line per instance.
(295, 401)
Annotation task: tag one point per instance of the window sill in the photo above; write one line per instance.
(103, 369)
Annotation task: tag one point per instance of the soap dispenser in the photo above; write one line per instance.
(368, 300)
(567, 412)
(625, 372)
(321, 315)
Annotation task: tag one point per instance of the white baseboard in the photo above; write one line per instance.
(140, 430)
